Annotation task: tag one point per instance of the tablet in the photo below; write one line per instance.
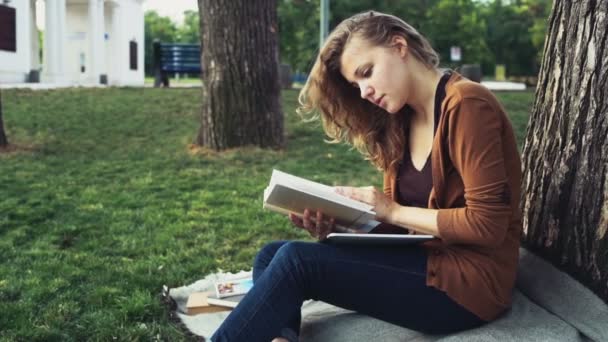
(378, 239)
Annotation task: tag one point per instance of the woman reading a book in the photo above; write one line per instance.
(451, 169)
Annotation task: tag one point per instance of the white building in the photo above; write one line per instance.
(86, 42)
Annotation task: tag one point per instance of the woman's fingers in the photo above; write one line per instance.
(328, 228)
(298, 222)
(365, 194)
(314, 223)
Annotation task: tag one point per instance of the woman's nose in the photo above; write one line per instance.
(366, 91)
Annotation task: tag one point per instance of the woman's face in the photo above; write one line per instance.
(378, 71)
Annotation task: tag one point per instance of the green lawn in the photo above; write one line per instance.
(105, 203)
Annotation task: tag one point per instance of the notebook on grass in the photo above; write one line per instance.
(379, 239)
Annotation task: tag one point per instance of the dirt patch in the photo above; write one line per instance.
(13, 149)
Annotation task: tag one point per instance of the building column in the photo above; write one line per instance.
(96, 40)
(118, 66)
(34, 43)
(54, 41)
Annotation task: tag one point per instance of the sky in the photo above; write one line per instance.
(171, 8)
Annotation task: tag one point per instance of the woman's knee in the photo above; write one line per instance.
(297, 254)
(267, 253)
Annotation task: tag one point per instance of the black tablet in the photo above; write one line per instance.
(379, 239)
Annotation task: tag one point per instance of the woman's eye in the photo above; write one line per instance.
(367, 72)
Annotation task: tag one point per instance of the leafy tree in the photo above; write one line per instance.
(188, 31)
(457, 23)
(156, 27)
(298, 32)
(508, 37)
(540, 10)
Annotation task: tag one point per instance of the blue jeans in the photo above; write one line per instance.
(385, 282)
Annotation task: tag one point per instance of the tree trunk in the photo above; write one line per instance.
(3, 139)
(565, 156)
(240, 74)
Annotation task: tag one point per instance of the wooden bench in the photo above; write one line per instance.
(175, 58)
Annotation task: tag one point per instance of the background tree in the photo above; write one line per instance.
(188, 32)
(3, 139)
(240, 63)
(156, 27)
(298, 33)
(488, 32)
(457, 23)
(565, 190)
(509, 39)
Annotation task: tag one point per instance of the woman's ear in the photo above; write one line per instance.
(400, 44)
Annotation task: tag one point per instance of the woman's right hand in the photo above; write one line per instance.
(318, 228)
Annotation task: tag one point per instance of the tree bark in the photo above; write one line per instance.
(565, 156)
(3, 139)
(239, 59)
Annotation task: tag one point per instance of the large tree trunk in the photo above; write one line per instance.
(565, 197)
(3, 139)
(240, 61)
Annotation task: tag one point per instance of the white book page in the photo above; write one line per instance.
(314, 188)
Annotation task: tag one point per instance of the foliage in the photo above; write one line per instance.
(457, 23)
(156, 27)
(188, 31)
(488, 32)
(510, 38)
(298, 33)
(165, 30)
(111, 203)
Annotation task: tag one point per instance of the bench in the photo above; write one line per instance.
(175, 58)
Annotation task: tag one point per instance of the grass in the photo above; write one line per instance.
(105, 203)
(184, 80)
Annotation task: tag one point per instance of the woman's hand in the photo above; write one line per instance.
(318, 228)
(382, 204)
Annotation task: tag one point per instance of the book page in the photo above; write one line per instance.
(313, 188)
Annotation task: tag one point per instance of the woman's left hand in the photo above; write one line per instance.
(382, 204)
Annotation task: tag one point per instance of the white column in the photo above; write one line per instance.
(118, 66)
(62, 39)
(54, 41)
(96, 42)
(34, 44)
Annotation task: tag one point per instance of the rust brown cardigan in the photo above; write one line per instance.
(476, 185)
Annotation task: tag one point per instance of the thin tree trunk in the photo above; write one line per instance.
(565, 156)
(3, 139)
(239, 58)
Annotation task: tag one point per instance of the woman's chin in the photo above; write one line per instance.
(391, 110)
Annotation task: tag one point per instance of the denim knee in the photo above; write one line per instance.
(265, 256)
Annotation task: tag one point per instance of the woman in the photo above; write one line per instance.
(451, 169)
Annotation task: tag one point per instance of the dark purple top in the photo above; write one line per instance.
(413, 186)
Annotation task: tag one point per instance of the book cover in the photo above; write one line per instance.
(198, 303)
(228, 302)
(291, 194)
(233, 287)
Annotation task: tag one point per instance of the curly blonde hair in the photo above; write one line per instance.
(345, 115)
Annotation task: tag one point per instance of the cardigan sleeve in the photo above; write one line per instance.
(476, 151)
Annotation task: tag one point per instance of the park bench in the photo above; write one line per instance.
(175, 58)
(186, 58)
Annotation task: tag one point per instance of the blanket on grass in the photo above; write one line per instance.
(548, 305)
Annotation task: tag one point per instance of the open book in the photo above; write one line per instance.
(290, 194)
